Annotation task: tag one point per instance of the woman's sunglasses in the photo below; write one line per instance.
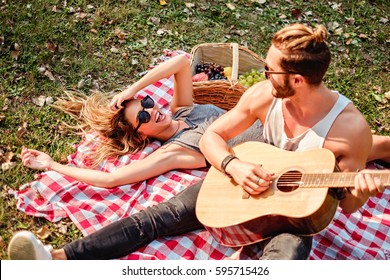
(267, 72)
(143, 116)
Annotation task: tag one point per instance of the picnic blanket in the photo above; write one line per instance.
(362, 235)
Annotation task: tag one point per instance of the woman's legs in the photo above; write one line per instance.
(174, 217)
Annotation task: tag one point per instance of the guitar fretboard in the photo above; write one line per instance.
(337, 180)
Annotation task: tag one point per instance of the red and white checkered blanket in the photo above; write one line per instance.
(363, 235)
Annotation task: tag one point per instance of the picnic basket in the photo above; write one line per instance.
(223, 93)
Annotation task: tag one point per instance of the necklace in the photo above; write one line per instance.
(177, 129)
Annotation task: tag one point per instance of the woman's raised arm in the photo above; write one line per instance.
(179, 66)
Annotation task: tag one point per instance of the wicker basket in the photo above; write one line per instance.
(223, 93)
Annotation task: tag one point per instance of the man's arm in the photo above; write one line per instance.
(350, 139)
(253, 105)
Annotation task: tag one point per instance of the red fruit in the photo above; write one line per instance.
(200, 77)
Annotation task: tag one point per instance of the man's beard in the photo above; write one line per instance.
(283, 91)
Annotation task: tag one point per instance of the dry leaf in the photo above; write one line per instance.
(22, 130)
(125, 55)
(8, 165)
(63, 228)
(43, 232)
(231, 6)
(163, 2)
(122, 35)
(5, 156)
(2, 117)
(155, 20)
(114, 49)
(51, 46)
(81, 15)
(39, 101)
(189, 5)
(297, 13)
(49, 75)
(81, 83)
(15, 51)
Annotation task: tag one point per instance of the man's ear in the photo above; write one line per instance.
(299, 80)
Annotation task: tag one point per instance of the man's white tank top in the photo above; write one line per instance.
(312, 138)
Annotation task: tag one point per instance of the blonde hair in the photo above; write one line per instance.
(92, 114)
(304, 51)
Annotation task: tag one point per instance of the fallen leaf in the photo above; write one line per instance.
(114, 49)
(49, 75)
(163, 2)
(155, 20)
(125, 55)
(81, 84)
(51, 46)
(39, 101)
(63, 228)
(8, 165)
(144, 41)
(49, 100)
(43, 232)
(2, 117)
(81, 15)
(5, 156)
(189, 5)
(161, 31)
(231, 6)
(297, 13)
(15, 51)
(120, 34)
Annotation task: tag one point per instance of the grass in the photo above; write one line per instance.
(46, 46)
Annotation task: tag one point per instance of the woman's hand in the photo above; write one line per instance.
(35, 159)
(117, 100)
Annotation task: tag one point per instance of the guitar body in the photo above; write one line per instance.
(237, 221)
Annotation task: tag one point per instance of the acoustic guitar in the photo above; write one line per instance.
(299, 201)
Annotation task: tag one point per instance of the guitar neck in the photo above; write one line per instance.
(337, 180)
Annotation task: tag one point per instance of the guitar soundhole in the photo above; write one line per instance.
(289, 181)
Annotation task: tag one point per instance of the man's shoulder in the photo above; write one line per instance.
(259, 93)
(349, 132)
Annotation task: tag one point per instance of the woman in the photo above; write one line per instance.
(132, 123)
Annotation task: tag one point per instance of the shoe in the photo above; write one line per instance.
(25, 246)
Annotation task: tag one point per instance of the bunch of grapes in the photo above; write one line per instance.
(250, 78)
(213, 71)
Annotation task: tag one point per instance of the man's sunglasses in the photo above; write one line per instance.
(143, 116)
(267, 72)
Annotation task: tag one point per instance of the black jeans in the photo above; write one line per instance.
(174, 217)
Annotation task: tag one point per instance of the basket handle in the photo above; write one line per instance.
(235, 62)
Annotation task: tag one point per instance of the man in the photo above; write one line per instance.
(298, 112)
